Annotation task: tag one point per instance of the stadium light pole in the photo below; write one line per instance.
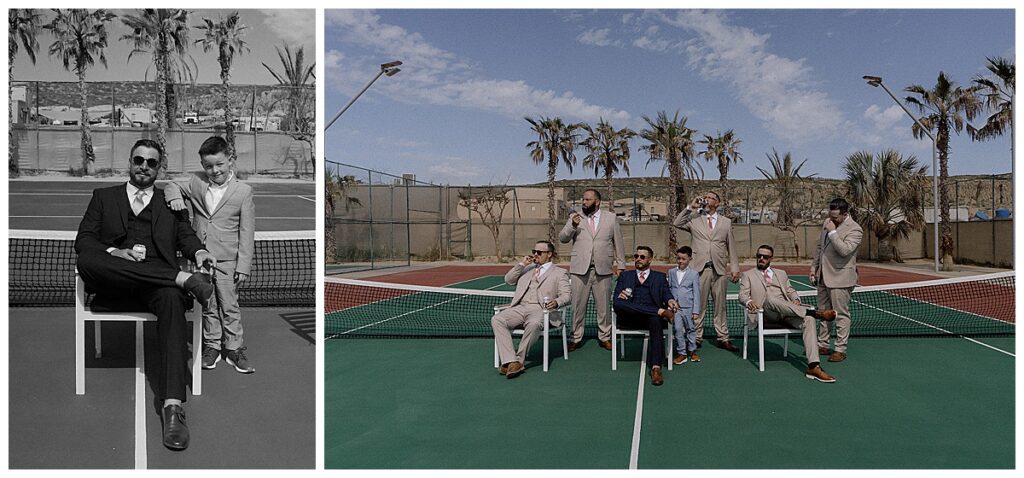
(389, 69)
(876, 81)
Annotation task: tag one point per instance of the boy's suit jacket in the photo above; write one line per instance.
(685, 290)
(229, 230)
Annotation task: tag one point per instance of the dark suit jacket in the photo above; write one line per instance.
(658, 283)
(105, 224)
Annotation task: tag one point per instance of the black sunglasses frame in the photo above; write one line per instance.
(153, 163)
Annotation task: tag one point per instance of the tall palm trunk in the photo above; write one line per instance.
(946, 231)
(723, 171)
(12, 147)
(229, 127)
(88, 157)
(608, 182)
(161, 105)
(552, 165)
(677, 197)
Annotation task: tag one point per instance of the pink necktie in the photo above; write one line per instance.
(536, 274)
(592, 228)
(711, 225)
(767, 279)
(643, 277)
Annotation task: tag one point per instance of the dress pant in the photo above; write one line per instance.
(839, 300)
(644, 317)
(712, 283)
(789, 315)
(222, 320)
(601, 286)
(152, 283)
(685, 331)
(529, 317)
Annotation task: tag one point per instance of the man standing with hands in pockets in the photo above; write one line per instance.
(714, 256)
(597, 254)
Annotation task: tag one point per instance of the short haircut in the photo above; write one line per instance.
(551, 247)
(645, 248)
(717, 197)
(213, 145)
(766, 246)
(596, 193)
(146, 143)
(685, 250)
(839, 204)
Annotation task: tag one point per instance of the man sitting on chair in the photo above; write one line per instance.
(767, 289)
(643, 301)
(540, 286)
(126, 244)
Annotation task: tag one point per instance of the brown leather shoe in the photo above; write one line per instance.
(828, 315)
(680, 359)
(606, 344)
(694, 357)
(727, 345)
(837, 357)
(574, 346)
(656, 378)
(818, 374)
(514, 370)
(824, 351)
(503, 369)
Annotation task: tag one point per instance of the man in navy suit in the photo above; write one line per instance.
(643, 301)
(127, 248)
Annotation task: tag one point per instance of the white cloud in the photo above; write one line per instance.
(294, 27)
(886, 118)
(435, 76)
(598, 37)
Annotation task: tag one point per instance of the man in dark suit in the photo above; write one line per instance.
(643, 301)
(127, 244)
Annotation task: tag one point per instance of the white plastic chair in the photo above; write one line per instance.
(619, 335)
(83, 314)
(761, 333)
(545, 334)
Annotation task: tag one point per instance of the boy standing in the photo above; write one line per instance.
(224, 218)
(685, 286)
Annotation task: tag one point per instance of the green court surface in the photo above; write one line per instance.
(434, 403)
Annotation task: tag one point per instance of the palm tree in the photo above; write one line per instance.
(886, 191)
(786, 180)
(723, 149)
(607, 149)
(225, 35)
(944, 108)
(23, 25)
(80, 36)
(998, 94)
(555, 140)
(296, 76)
(671, 141)
(164, 34)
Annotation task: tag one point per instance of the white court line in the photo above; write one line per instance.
(940, 329)
(634, 450)
(306, 198)
(141, 462)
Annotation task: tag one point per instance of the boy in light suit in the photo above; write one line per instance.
(224, 218)
(685, 286)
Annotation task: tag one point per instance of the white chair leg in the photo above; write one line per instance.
(546, 345)
(99, 338)
(79, 355)
(668, 346)
(565, 343)
(760, 341)
(746, 334)
(785, 346)
(615, 338)
(197, 347)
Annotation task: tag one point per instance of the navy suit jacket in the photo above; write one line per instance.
(658, 284)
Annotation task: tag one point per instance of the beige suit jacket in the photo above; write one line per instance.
(602, 248)
(753, 287)
(715, 245)
(229, 230)
(835, 258)
(554, 284)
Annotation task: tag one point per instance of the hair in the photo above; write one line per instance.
(596, 193)
(717, 197)
(839, 204)
(685, 250)
(147, 143)
(648, 249)
(766, 246)
(551, 247)
(213, 145)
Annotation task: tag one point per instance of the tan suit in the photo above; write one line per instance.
(834, 267)
(775, 299)
(593, 254)
(526, 311)
(714, 255)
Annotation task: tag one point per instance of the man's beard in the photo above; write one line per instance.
(762, 267)
(588, 210)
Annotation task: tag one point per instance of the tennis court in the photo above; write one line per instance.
(927, 373)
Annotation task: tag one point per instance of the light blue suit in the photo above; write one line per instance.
(686, 291)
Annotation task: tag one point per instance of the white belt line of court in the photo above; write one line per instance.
(940, 329)
(634, 450)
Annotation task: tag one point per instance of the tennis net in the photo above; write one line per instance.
(41, 269)
(970, 306)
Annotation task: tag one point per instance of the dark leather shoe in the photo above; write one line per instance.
(727, 345)
(828, 315)
(175, 429)
(606, 344)
(503, 369)
(201, 287)
(656, 378)
(574, 346)
(818, 374)
(837, 357)
(515, 369)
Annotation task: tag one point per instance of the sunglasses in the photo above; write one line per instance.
(763, 256)
(537, 253)
(639, 256)
(151, 162)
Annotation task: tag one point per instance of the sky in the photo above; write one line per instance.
(788, 80)
(267, 29)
